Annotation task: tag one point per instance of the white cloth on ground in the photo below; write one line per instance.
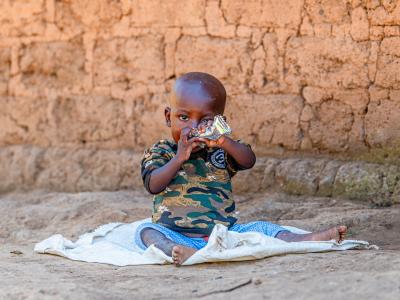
(114, 244)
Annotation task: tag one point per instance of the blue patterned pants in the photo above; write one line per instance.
(266, 228)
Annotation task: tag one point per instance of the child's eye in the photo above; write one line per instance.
(183, 117)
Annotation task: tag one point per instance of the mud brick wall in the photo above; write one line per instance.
(303, 76)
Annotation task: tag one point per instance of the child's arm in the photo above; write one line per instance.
(241, 153)
(161, 177)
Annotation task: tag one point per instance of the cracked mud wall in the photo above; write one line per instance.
(80, 78)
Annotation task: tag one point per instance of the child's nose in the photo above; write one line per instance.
(195, 123)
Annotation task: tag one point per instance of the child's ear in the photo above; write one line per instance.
(167, 114)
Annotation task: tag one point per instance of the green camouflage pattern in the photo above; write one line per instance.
(199, 196)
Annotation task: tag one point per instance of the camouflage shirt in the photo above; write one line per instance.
(200, 194)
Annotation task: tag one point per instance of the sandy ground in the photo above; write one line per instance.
(32, 217)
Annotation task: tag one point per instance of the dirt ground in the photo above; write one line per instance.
(31, 217)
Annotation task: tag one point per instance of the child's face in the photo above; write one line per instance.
(191, 105)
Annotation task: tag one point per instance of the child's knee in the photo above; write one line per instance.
(150, 236)
(146, 233)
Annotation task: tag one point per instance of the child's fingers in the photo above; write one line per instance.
(184, 134)
(192, 143)
(200, 140)
(185, 131)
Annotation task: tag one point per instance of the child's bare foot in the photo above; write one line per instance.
(181, 253)
(336, 233)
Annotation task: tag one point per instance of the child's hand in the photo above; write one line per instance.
(212, 143)
(185, 145)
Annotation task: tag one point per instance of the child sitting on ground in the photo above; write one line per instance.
(192, 184)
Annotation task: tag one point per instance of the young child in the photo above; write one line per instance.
(192, 184)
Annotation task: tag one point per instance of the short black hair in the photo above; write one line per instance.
(210, 83)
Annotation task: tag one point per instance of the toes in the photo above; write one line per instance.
(342, 233)
(176, 260)
(342, 229)
(180, 254)
(176, 255)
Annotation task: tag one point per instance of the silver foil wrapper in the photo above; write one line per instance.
(213, 132)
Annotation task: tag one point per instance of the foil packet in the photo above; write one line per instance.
(213, 132)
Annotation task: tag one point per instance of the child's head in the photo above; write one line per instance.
(196, 97)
